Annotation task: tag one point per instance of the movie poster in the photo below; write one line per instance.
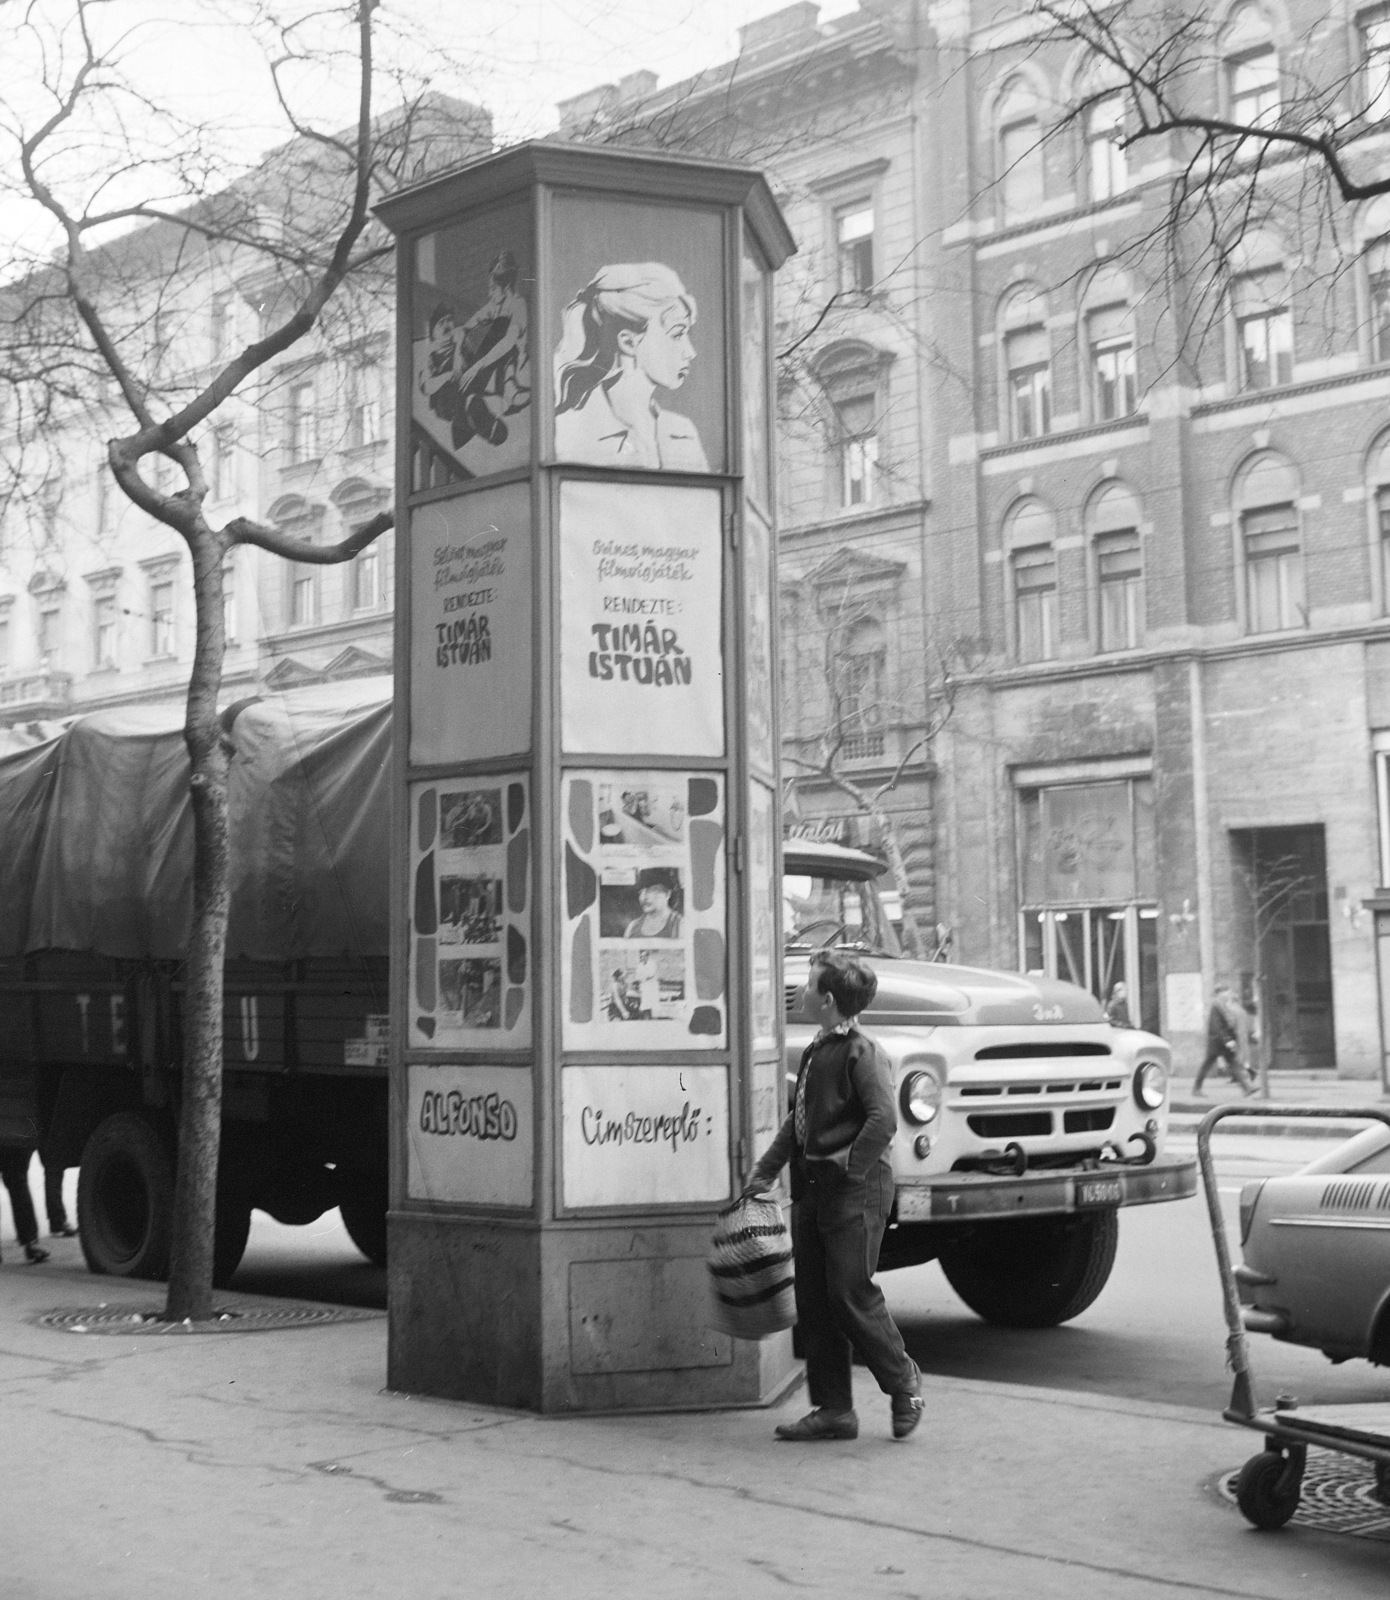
(641, 620)
(644, 930)
(470, 981)
(470, 647)
(637, 345)
(471, 352)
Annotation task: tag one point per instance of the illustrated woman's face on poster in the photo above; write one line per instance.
(662, 351)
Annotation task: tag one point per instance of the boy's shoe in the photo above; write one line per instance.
(34, 1253)
(820, 1424)
(907, 1413)
(67, 1231)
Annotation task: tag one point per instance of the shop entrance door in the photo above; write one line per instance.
(1096, 947)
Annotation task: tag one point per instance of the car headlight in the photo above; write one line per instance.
(1150, 1085)
(920, 1097)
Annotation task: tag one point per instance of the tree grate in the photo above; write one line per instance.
(227, 1318)
(1339, 1496)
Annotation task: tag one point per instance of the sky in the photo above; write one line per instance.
(518, 58)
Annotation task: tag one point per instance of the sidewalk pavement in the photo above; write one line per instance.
(1186, 1110)
(274, 1465)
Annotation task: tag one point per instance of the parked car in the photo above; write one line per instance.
(1026, 1121)
(1317, 1252)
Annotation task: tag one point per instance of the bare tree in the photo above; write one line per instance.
(139, 197)
(857, 710)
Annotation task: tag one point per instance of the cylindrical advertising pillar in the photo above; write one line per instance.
(586, 1009)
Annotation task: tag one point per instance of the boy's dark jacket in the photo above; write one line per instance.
(850, 1116)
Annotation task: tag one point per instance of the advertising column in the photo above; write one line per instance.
(587, 1011)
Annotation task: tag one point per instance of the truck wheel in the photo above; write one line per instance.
(232, 1231)
(1262, 1493)
(125, 1199)
(363, 1208)
(1034, 1274)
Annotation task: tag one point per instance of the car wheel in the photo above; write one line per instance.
(1034, 1274)
(1264, 1492)
(125, 1199)
(363, 1209)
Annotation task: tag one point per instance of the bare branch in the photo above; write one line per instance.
(242, 530)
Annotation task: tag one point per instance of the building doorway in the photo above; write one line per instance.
(1279, 876)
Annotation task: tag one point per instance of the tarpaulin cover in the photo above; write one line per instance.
(96, 830)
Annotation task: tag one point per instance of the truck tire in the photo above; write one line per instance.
(363, 1207)
(232, 1231)
(1037, 1273)
(125, 1199)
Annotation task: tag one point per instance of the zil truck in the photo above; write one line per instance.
(1025, 1120)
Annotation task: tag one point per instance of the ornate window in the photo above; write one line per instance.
(1264, 329)
(1019, 160)
(853, 377)
(1027, 365)
(1112, 524)
(1271, 546)
(1251, 65)
(1030, 538)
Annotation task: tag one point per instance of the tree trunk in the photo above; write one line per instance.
(200, 1117)
(911, 935)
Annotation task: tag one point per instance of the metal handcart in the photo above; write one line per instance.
(1268, 1488)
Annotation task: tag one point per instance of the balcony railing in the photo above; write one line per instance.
(35, 692)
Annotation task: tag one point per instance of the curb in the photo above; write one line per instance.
(1187, 1119)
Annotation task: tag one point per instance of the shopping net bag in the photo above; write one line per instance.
(750, 1270)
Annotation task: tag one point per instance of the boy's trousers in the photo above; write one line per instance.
(836, 1232)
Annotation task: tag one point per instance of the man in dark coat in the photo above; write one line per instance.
(1225, 1029)
(837, 1138)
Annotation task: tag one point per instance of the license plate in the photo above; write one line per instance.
(1099, 1192)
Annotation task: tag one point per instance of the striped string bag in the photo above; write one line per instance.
(750, 1270)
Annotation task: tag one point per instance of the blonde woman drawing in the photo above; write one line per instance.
(626, 334)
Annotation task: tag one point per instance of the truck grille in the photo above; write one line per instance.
(1087, 1086)
(1095, 1119)
(1011, 1125)
(1026, 1050)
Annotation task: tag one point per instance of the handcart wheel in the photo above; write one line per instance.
(1262, 1493)
(1383, 1482)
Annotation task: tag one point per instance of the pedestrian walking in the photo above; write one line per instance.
(14, 1173)
(58, 1225)
(837, 1138)
(1227, 1026)
(1117, 1007)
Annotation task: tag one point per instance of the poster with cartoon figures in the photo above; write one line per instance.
(638, 353)
(471, 354)
(644, 911)
(470, 644)
(470, 981)
(641, 665)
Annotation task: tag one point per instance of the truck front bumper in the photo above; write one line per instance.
(971, 1196)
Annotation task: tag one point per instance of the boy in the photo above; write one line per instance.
(837, 1137)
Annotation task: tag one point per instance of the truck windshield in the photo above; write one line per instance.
(836, 913)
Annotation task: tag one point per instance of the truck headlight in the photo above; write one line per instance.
(1150, 1085)
(920, 1097)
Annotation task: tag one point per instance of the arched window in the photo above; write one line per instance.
(1030, 535)
(1271, 544)
(1099, 88)
(1112, 526)
(1260, 311)
(1027, 365)
(358, 502)
(1251, 66)
(1109, 344)
(1019, 153)
(853, 377)
(302, 519)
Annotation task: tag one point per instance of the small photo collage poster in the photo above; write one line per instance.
(470, 980)
(644, 957)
